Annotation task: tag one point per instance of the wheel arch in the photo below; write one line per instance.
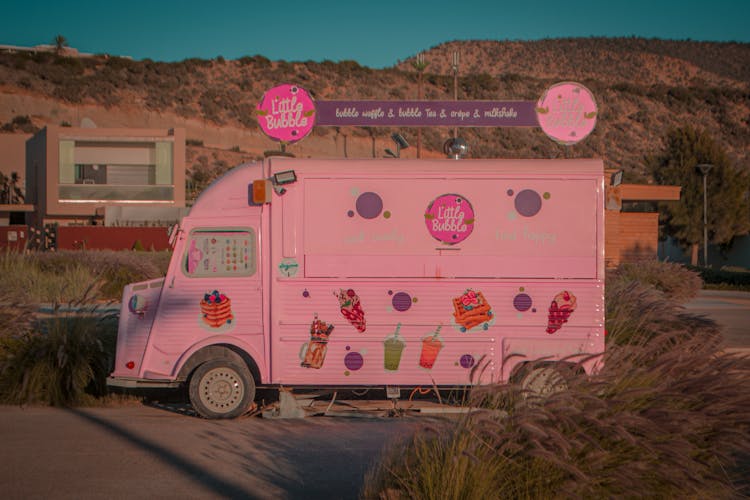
(218, 351)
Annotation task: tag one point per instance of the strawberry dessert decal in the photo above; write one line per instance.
(560, 309)
(351, 308)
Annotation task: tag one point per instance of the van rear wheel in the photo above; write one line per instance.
(221, 388)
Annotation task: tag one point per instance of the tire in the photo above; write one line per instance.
(221, 388)
(541, 381)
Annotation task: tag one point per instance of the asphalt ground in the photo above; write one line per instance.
(147, 452)
(731, 310)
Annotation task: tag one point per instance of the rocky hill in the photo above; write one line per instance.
(643, 88)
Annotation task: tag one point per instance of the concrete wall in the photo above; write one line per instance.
(13, 154)
(111, 238)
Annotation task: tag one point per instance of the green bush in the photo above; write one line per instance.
(63, 361)
(724, 278)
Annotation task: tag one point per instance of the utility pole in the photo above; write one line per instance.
(420, 66)
(455, 84)
(704, 168)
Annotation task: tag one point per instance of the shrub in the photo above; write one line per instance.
(724, 278)
(663, 420)
(665, 416)
(636, 313)
(64, 362)
(676, 281)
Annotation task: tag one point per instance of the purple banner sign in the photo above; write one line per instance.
(427, 113)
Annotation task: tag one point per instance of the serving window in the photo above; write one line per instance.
(225, 252)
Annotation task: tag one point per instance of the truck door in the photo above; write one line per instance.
(212, 294)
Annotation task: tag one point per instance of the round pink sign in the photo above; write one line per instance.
(450, 218)
(567, 112)
(286, 113)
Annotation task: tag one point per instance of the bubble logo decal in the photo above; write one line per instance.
(567, 112)
(450, 218)
(286, 113)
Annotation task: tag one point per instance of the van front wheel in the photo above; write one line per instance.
(221, 388)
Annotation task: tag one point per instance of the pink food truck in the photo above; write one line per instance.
(372, 273)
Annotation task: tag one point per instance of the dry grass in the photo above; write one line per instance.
(65, 276)
(665, 418)
(676, 281)
(63, 358)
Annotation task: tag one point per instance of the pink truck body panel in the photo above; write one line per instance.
(474, 263)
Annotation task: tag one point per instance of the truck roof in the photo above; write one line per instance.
(229, 192)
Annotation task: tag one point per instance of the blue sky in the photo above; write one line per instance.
(373, 33)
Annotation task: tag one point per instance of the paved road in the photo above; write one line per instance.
(145, 452)
(731, 310)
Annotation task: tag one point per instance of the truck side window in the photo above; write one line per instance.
(220, 252)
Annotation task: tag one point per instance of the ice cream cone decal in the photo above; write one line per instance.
(560, 309)
(351, 308)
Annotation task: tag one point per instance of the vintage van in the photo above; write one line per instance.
(365, 273)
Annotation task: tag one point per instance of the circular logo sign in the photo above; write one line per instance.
(450, 218)
(286, 113)
(567, 112)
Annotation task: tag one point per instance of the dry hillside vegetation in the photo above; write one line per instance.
(643, 88)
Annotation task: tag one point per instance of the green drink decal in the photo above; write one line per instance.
(393, 347)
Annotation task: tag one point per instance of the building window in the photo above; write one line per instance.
(220, 252)
(116, 171)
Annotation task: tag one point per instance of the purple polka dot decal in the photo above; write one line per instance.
(350, 213)
(467, 361)
(510, 192)
(306, 294)
(354, 361)
(401, 301)
(369, 205)
(528, 203)
(522, 302)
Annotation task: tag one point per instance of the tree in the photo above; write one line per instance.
(60, 43)
(727, 190)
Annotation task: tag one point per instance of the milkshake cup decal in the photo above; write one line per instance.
(393, 347)
(313, 353)
(431, 346)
